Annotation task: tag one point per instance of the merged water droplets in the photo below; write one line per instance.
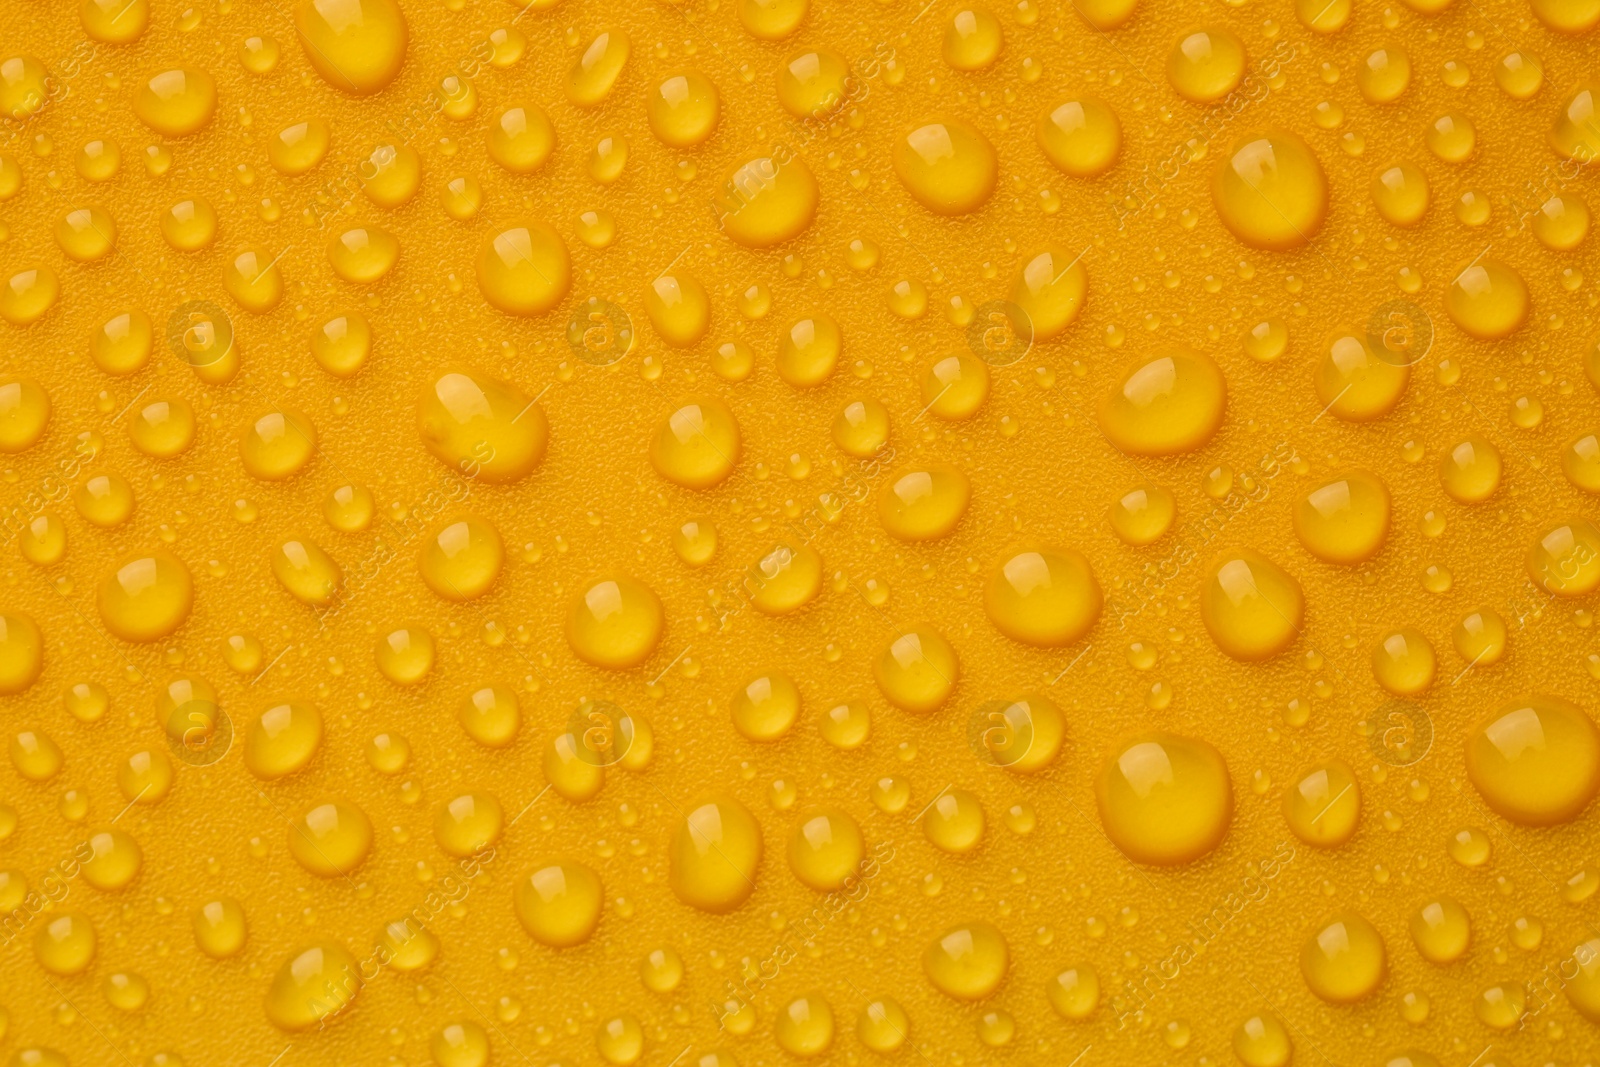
(481, 427)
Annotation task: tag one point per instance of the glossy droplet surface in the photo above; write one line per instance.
(947, 166)
(1206, 65)
(357, 46)
(809, 349)
(1262, 1041)
(1251, 607)
(955, 821)
(1401, 194)
(524, 269)
(1488, 299)
(308, 573)
(771, 19)
(298, 148)
(924, 503)
(955, 387)
(1075, 992)
(766, 706)
(825, 849)
(254, 280)
(176, 102)
(1354, 383)
(65, 944)
(683, 109)
(1470, 470)
(521, 138)
(1050, 290)
(1345, 520)
(481, 427)
(162, 428)
(1536, 760)
(313, 984)
(1384, 74)
(189, 225)
(1164, 404)
(1322, 805)
(405, 655)
(363, 254)
(1441, 930)
(1270, 191)
(1564, 559)
(917, 669)
(968, 961)
(1045, 597)
(1575, 134)
(21, 652)
(278, 444)
(679, 307)
(114, 21)
(714, 854)
(461, 560)
(1403, 662)
(468, 823)
(1081, 135)
(595, 72)
(1165, 800)
(86, 234)
(491, 715)
(27, 295)
(1143, 515)
(146, 597)
(282, 740)
(331, 838)
(763, 202)
(785, 579)
(882, 1026)
(614, 622)
(122, 344)
(1342, 958)
(220, 928)
(812, 84)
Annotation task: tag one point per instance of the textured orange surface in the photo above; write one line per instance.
(762, 413)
